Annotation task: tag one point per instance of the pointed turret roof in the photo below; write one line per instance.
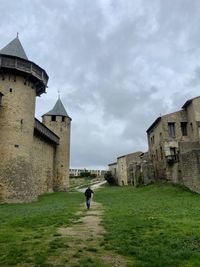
(58, 110)
(14, 48)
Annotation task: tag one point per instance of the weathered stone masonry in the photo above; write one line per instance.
(174, 145)
(33, 158)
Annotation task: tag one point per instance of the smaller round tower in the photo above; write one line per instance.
(59, 122)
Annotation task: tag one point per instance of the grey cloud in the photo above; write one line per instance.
(195, 80)
(119, 65)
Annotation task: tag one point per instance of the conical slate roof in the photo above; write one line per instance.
(58, 110)
(14, 48)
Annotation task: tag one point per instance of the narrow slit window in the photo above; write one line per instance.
(161, 153)
(1, 96)
(53, 118)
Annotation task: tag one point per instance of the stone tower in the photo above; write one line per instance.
(59, 122)
(20, 82)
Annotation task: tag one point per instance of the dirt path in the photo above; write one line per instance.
(86, 241)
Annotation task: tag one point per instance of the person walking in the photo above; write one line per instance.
(88, 195)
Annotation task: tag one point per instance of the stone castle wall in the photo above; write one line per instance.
(17, 182)
(30, 165)
(190, 166)
(43, 164)
(33, 159)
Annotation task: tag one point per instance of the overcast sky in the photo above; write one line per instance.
(119, 65)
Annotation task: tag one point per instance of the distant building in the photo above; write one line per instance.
(140, 171)
(132, 169)
(123, 163)
(77, 172)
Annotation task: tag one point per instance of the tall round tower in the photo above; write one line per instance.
(20, 82)
(59, 122)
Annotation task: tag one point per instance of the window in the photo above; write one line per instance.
(161, 153)
(184, 128)
(173, 152)
(191, 126)
(53, 118)
(171, 129)
(152, 140)
(10, 90)
(1, 95)
(173, 157)
(63, 118)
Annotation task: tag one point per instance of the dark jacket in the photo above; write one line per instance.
(88, 193)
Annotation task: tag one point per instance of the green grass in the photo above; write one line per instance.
(157, 225)
(28, 231)
(153, 226)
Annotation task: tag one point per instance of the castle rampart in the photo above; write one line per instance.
(33, 158)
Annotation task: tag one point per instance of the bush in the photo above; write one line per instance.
(85, 174)
(93, 175)
(109, 178)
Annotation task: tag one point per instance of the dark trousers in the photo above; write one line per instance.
(88, 200)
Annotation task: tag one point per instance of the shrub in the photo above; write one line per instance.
(109, 178)
(85, 174)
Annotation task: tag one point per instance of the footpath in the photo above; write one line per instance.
(87, 241)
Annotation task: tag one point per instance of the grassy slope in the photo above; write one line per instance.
(28, 231)
(157, 225)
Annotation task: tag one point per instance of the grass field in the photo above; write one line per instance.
(28, 231)
(156, 225)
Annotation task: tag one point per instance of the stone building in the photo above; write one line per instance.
(174, 145)
(112, 168)
(140, 170)
(123, 163)
(77, 172)
(132, 169)
(34, 155)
